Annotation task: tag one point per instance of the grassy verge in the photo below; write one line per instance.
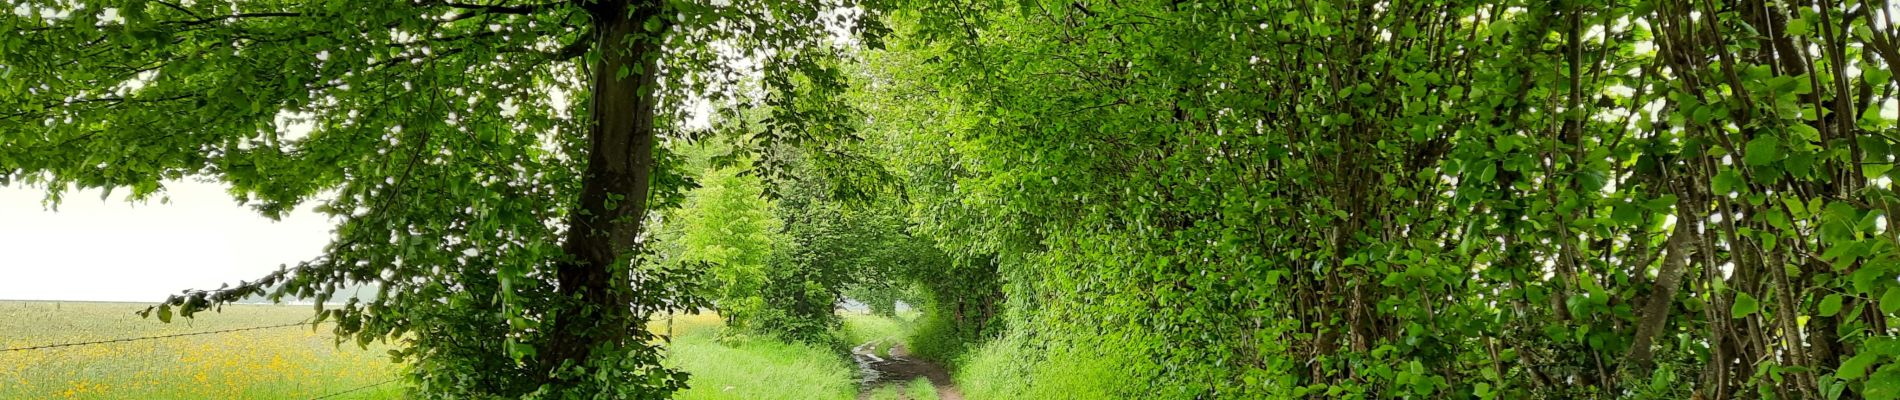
(755, 368)
(1007, 368)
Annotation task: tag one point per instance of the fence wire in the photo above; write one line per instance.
(135, 339)
(220, 331)
(354, 390)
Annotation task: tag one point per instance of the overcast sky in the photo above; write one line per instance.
(114, 250)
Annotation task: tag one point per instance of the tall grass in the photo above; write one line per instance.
(865, 328)
(936, 337)
(1012, 368)
(754, 367)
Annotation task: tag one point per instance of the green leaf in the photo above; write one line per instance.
(1504, 143)
(1799, 164)
(1726, 182)
(1763, 150)
(1855, 367)
(1703, 115)
(1830, 305)
(165, 313)
(1882, 346)
(1744, 306)
(1797, 27)
(1627, 214)
(1876, 76)
(1875, 171)
(1661, 204)
(1591, 180)
(1803, 132)
(1890, 302)
(1884, 385)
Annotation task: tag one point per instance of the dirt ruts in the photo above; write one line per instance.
(897, 369)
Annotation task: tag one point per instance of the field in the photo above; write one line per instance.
(301, 363)
(276, 363)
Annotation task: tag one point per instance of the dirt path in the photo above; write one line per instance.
(897, 369)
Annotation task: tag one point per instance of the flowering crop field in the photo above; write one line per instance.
(299, 362)
(296, 362)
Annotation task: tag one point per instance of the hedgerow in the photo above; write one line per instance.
(1441, 199)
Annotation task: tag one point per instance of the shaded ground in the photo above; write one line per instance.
(897, 368)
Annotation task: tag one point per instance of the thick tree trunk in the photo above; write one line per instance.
(614, 190)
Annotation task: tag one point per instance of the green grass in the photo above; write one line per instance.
(918, 389)
(861, 328)
(885, 393)
(276, 363)
(1007, 368)
(921, 389)
(753, 367)
(757, 367)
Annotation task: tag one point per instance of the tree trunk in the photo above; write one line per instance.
(1662, 296)
(613, 197)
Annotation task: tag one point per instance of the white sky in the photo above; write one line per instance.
(92, 249)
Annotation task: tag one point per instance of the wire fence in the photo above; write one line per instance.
(213, 332)
(135, 339)
(356, 389)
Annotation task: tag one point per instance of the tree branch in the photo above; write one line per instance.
(1656, 313)
(202, 21)
(500, 9)
(568, 52)
(180, 9)
(576, 49)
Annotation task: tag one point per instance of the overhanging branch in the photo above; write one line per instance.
(501, 9)
(576, 49)
(202, 21)
(568, 52)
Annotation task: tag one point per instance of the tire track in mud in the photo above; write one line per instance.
(898, 369)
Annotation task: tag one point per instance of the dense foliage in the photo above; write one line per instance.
(1133, 199)
(779, 256)
(808, 274)
(1446, 199)
(727, 227)
(491, 163)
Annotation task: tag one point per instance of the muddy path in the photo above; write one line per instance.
(897, 369)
